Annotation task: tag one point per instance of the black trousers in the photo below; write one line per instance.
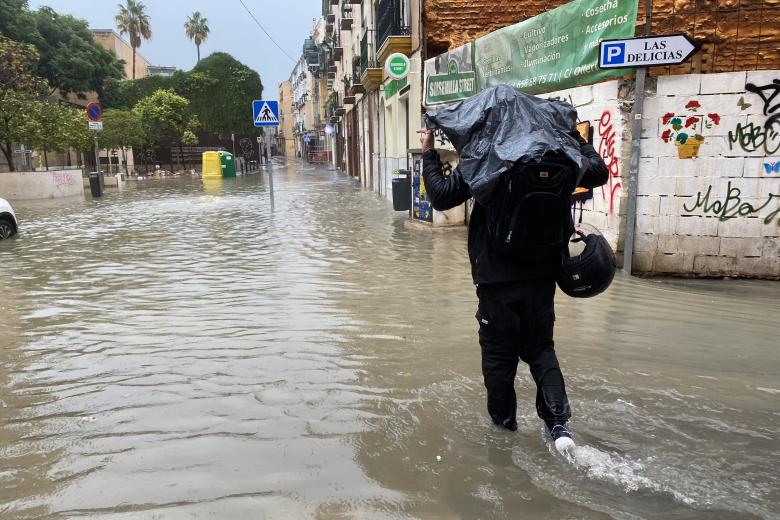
(516, 322)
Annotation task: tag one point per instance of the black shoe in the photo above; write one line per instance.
(562, 438)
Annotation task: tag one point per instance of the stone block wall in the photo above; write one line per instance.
(709, 176)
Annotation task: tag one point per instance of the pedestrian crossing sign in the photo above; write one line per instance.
(265, 113)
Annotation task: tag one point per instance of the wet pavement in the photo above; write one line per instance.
(181, 351)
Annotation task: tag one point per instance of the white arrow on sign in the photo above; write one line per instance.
(646, 52)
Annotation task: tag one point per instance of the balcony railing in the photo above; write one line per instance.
(368, 53)
(391, 20)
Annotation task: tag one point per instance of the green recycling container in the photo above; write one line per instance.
(228, 164)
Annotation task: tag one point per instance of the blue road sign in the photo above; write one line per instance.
(613, 53)
(647, 51)
(94, 111)
(265, 113)
(306, 138)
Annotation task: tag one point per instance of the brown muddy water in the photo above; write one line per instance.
(173, 351)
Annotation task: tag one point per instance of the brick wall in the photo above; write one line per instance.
(734, 34)
(709, 177)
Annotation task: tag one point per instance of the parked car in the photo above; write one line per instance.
(8, 223)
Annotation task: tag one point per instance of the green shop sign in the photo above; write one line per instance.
(555, 50)
(393, 86)
(397, 66)
(450, 77)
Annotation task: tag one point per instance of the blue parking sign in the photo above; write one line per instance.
(613, 53)
(265, 113)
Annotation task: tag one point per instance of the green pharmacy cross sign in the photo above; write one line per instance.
(451, 86)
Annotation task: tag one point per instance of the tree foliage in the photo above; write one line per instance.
(17, 22)
(70, 59)
(125, 94)
(220, 90)
(225, 105)
(16, 67)
(133, 21)
(121, 129)
(164, 115)
(197, 29)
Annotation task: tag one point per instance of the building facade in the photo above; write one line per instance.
(110, 40)
(374, 118)
(285, 135)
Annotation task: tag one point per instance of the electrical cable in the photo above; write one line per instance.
(266, 32)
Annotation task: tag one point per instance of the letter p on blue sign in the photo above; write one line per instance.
(613, 53)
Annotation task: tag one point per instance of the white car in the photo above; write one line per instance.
(8, 223)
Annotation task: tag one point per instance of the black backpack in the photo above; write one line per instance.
(529, 217)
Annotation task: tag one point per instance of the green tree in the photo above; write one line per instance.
(224, 105)
(53, 127)
(77, 136)
(165, 117)
(18, 87)
(219, 88)
(17, 22)
(121, 129)
(197, 29)
(16, 110)
(70, 59)
(125, 94)
(16, 63)
(133, 21)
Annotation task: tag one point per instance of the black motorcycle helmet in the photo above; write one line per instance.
(589, 266)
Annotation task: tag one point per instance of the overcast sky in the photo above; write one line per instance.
(232, 31)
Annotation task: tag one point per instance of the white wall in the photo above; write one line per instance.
(718, 212)
(599, 104)
(41, 185)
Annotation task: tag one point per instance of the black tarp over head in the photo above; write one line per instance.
(500, 126)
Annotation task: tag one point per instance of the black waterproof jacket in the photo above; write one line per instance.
(487, 265)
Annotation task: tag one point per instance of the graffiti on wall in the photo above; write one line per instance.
(62, 179)
(686, 130)
(441, 139)
(751, 137)
(733, 205)
(768, 93)
(609, 153)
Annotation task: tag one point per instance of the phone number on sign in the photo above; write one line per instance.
(554, 77)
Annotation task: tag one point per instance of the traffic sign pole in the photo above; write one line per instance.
(636, 142)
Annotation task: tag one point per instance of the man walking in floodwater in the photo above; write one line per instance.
(516, 301)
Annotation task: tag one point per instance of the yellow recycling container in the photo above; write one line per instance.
(212, 165)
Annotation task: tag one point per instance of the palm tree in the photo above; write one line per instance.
(133, 21)
(197, 29)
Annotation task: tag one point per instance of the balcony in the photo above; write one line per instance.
(334, 2)
(357, 84)
(338, 50)
(392, 30)
(330, 18)
(349, 95)
(346, 17)
(370, 71)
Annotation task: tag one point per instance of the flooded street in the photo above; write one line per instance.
(179, 351)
